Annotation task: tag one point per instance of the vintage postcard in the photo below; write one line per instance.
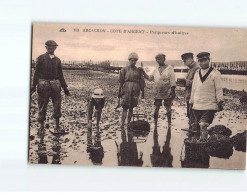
(146, 96)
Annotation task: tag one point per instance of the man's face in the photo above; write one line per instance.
(160, 60)
(204, 63)
(51, 49)
(188, 61)
(132, 61)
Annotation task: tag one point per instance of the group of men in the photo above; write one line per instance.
(203, 93)
(203, 90)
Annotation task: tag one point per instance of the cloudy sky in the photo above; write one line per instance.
(223, 44)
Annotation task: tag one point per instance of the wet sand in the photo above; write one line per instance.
(110, 146)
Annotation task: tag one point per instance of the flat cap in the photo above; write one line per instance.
(203, 55)
(51, 43)
(187, 55)
(133, 55)
(159, 55)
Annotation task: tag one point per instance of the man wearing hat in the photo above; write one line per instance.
(48, 77)
(164, 86)
(206, 94)
(188, 60)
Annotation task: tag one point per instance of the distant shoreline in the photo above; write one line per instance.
(113, 69)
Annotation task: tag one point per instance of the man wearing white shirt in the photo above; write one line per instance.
(164, 87)
(206, 94)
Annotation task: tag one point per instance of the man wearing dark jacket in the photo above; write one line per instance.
(188, 60)
(48, 77)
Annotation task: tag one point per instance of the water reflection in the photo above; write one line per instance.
(42, 155)
(196, 155)
(56, 150)
(96, 151)
(164, 158)
(127, 152)
(235, 82)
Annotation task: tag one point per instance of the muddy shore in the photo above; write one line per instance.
(162, 147)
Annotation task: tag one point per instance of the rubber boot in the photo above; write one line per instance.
(90, 124)
(41, 128)
(204, 133)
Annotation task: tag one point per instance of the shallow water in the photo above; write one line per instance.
(163, 147)
(235, 82)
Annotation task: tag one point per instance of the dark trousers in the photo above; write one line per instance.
(46, 90)
(189, 113)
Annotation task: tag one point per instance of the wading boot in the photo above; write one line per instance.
(90, 124)
(169, 118)
(204, 134)
(41, 128)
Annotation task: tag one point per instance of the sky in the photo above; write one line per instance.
(114, 43)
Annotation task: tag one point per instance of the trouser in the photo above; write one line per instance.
(189, 113)
(49, 89)
(201, 118)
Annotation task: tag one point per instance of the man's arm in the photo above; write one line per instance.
(191, 101)
(120, 90)
(36, 75)
(146, 76)
(121, 80)
(90, 110)
(172, 83)
(188, 82)
(219, 90)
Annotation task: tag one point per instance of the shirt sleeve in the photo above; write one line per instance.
(218, 87)
(172, 78)
(142, 80)
(61, 77)
(37, 71)
(190, 80)
(193, 90)
(121, 76)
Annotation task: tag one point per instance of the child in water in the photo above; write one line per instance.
(98, 101)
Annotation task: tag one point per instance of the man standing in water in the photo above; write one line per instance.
(164, 87)
(48, 77)
(206, 94)
(188, 60)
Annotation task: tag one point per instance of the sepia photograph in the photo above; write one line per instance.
(141, 96)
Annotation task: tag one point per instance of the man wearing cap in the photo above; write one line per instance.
(48, 77)
(188, 60)
(97, 101)
(164, 86)
(206, 94)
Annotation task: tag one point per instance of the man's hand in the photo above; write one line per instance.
(220, 106)
(33, 89)
(66, 91)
